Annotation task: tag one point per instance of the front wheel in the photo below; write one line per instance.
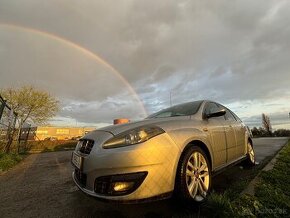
(193, 175)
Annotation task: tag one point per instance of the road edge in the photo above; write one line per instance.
(250, 189)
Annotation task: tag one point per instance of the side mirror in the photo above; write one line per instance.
(219, 113)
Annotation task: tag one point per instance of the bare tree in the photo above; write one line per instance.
(31, 104)
(267, 124)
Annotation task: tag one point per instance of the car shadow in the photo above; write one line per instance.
(89, 207)
(86, 206)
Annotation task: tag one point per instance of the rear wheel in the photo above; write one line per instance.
(193, 175)
(250, 161)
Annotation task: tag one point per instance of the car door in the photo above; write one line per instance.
(240, 133)
(215, 130)
(230, 125)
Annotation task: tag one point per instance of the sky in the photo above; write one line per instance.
(111, 59)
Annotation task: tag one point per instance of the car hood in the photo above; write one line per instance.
(165, 123)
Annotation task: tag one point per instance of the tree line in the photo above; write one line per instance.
(262, 132)
(266, 130)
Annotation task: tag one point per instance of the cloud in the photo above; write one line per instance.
(101, 112)
(278, 120)
(234, 52)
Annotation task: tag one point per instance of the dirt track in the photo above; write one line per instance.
(41, 186)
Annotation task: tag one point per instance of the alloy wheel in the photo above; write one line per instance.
(251, 153)
(197, 176)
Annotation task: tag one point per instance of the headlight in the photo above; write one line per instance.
(134, 136)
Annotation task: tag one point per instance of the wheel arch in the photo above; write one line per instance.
(201, 145)
(197, 143)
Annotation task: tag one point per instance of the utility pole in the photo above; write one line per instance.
(171, 101)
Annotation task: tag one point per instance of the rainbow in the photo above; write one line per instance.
(84, 51)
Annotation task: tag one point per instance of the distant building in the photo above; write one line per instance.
(59, 133)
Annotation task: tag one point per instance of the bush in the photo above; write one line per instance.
(46, 146)
(282, 132)
(9, 160)
(260, 132)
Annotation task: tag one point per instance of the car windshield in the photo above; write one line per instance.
(185, 109)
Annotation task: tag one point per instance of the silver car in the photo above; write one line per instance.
(176, 150)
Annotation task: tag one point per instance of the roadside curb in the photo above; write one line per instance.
(250, 189)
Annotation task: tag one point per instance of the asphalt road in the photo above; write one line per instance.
(41, 186)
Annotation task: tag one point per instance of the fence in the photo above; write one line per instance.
(7, 123)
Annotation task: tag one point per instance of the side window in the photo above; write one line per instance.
(211, 107)
(229, 115)
(237, 118)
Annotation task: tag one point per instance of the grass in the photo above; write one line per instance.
(9, 160)
(218, 205)
(271, 198)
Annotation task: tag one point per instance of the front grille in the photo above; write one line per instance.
(81, 177)
(85, 146)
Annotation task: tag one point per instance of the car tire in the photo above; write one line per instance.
(193, 178)
(250, 161)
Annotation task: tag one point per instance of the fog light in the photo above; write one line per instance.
(123, 186)
(119, 184)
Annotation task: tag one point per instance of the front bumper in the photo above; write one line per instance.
(102, 198)
(157, 156)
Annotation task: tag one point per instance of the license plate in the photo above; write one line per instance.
(77, 160)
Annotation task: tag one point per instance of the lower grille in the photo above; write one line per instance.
(81, 177)
(102, 186)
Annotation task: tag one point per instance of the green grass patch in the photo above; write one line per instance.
(271, 199)
(218, 205)
(9, 160)
(273, 192)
